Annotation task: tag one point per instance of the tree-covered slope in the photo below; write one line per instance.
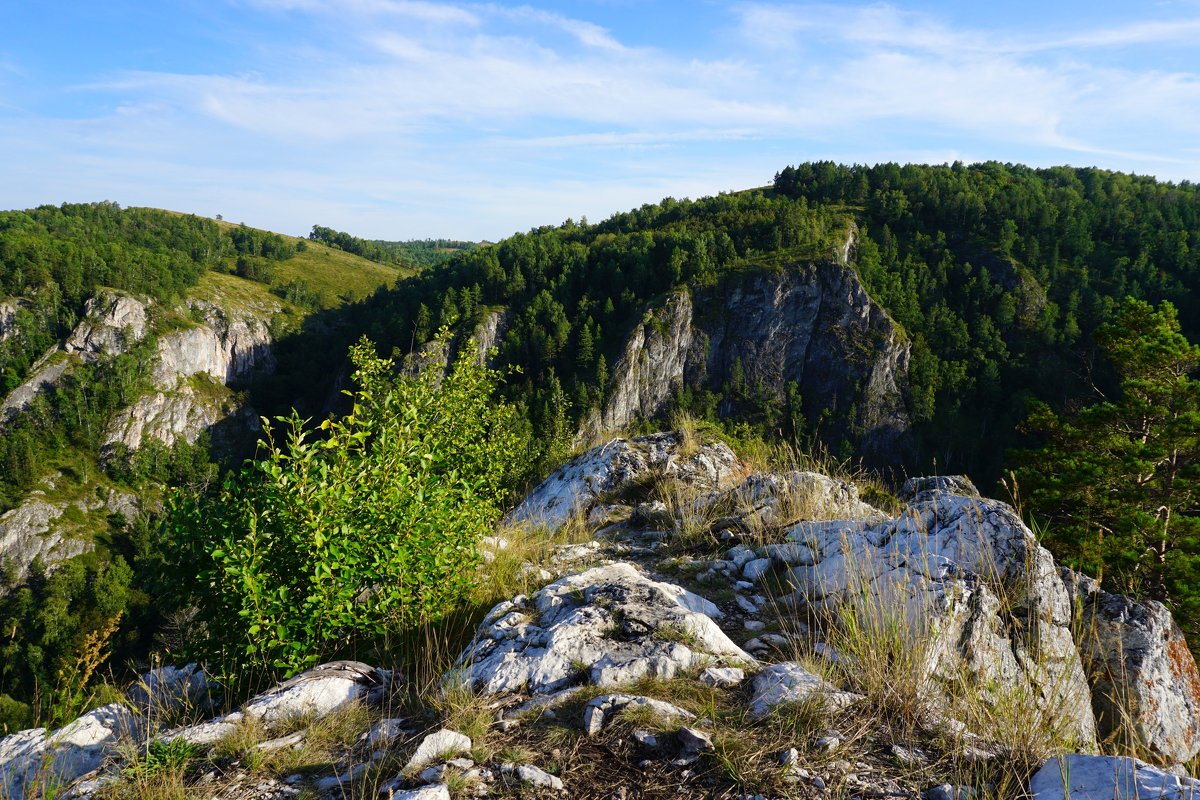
(999, 274)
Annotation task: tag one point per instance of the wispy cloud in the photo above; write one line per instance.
(414, 117)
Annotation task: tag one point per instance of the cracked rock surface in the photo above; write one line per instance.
(608, 625)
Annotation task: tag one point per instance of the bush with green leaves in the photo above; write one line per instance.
(334, 539)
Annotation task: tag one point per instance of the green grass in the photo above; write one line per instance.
(333, 274)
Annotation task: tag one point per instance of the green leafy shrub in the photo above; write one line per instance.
(371, 528)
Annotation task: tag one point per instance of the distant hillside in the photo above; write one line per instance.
(411, 254)
(997, 273)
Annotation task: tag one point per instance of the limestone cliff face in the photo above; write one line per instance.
(650, 368)
(228, 345)
(112, 321)
(48, 527)
(810, 323)
(195, 367)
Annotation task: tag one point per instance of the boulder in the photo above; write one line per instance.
(607, 626)
(603, 471)
(318, 691)
(435, 747)
(32, 761)
(788, 682)
(966, 576)
(1083, 777)
(1143, 676)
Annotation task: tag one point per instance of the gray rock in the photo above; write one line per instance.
(1143, 676)
(965, 575)
(111, 323)
(756, 568)
(614, 619)
(318, 691)
(946, 791)
(33, 760)
(437, 746)
(341, 782)
(577, 485)
(916, 490)
(34, 530)
(602, 708)
(645, 738)
(433, 774)
(1082, 777)
(539, 778)
(788, 682)
(438, 791)
(693, 741)
(722, 677)
(813, 324)
(385, 731)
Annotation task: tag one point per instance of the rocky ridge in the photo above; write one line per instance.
(715, 636)
(810, 324)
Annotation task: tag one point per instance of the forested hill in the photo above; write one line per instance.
(998, 273)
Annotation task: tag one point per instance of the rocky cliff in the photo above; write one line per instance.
(811, 324)
(195, 365)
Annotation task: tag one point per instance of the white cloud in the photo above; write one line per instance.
(425, 118)
(434, 13)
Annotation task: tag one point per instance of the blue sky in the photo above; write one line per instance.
(412, 118)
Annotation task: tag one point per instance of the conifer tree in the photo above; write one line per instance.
(1119, 480)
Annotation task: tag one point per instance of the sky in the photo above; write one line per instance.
(403, 119)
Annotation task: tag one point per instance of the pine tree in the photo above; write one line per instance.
(1119, 480)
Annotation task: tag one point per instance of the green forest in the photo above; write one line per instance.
(999, 274)
(1042, 306)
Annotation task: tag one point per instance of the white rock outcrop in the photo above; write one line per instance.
(967, 576)
(41, 529)
(1084, 777)
(194, 366)
(32, 761)
(435, 747)
(316, 692)
(111, 323)
(580, 483)
(229, 345)
(788, 682)
(607, 626)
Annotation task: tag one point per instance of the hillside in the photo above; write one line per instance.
(995, 276)
(947, 320)
(132, 351)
